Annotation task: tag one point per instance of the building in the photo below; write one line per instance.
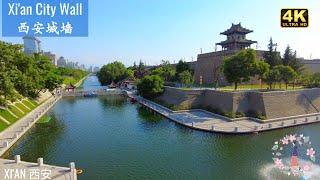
(96, 69)
(311, 65)
(31, 45)
(208, 64)
(52, 57)
(62, 62)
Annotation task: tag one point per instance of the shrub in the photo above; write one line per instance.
(151, 86)
(240, 114)
(256, 114)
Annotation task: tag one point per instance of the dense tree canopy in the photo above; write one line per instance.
(112, 72)
(186, 77)
(165, 70)
(240, 67)
(150, 86)
(23, 74)
(182, 66)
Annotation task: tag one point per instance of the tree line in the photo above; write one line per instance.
(273, 70)
(25, 75)
(150, 80)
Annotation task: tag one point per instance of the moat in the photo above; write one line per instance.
(110, 138)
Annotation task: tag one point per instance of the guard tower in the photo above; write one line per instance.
(236, 38)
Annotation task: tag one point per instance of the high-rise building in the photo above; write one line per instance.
(31, 45)
(52, 57)
(62, 62)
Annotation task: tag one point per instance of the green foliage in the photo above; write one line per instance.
(151, 86)
(261, 69)
(15, 111)
(271, 77)
(166, 71)
(256, 114)
(28, 104)
(182, 66)
(23, 74)
(287, 74)
(112, 72)
(290, 59)
(240, 67)
(130, 73)
(5, 114)
(140, 70)
(70, 76)
(6, 88)
(272, 57)
(186, 77)
(313, 80)
(20, 106)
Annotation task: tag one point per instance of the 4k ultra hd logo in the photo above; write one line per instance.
(294, 18)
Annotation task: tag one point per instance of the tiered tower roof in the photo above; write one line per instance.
(236, 38)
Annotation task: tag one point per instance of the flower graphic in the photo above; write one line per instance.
(311, 152)
(306, 168)
(278, 163)
(294, 166)
(292, 138)
(285, 140)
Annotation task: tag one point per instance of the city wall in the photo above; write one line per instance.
(274, 104)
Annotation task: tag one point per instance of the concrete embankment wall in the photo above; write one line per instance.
(271, 104)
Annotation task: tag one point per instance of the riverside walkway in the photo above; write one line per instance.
(27, 170)
(207, 121)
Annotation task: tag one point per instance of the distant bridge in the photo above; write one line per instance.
(98, 92)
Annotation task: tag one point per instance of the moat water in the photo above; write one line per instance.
(110, 138)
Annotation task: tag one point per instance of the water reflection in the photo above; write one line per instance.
(39, 141)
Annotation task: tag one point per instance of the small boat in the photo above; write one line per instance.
(90, 94)
(133, 100)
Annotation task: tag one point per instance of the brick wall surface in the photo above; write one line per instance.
(272, 104)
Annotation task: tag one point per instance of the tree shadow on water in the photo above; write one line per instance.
(148, 117)
(38, 141)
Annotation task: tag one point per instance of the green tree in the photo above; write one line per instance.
(287, 74)
(6, 88)
(261, 69)
(166, 71)
(271, 77)
(150, 86)
(182, 66)
(186, 77)
(140, 70)
(112, 72)
(130, 73)
(315, 80)
(290, 59)
(272, 57)
(240, 67)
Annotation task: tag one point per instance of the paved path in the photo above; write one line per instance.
(207, 121)
(11, 135)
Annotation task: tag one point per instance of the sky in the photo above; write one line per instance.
(155, 30)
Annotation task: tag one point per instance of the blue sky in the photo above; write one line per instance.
(152, 30)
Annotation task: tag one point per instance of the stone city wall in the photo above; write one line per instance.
(274, 104)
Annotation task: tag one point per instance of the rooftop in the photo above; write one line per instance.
(236, 28)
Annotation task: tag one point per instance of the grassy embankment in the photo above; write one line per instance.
(16, 111)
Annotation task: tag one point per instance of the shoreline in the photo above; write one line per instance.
(202, 120)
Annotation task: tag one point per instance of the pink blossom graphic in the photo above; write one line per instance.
(285, 140)
(278, 163)
(306, 168)
(292, 138)
(311, 152)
